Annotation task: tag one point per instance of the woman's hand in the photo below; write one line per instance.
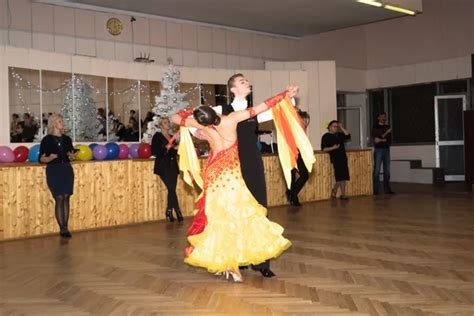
(71, 155)
(292, 90)
(46, 159)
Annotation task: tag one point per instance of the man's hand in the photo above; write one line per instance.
(387, 132)
(336, 146)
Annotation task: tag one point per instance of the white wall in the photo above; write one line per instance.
(425, 153)
(83, 32)
(320, 101)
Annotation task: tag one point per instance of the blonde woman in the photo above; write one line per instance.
(56, 151)
(166, 166)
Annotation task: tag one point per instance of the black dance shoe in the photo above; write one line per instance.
(64, 232)
(267, 273)
(179, 216)
(288, 196)
(169, 216)
(295, 201)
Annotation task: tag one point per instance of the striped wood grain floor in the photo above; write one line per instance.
(408, 254)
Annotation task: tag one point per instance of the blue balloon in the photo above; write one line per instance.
(113, 151)
(33, 155)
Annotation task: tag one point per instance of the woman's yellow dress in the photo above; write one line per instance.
(230, 229)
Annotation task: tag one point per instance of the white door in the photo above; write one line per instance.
(449, 111)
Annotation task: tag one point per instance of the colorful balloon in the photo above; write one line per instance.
(21, 153)
(33, 155)
(100, 152)
(84, 153)
(6, 154)
(144, 151)
(113, 151)
(123, 154)
(133, 151)
(92, 146)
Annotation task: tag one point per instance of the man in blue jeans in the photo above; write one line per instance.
(382, 137)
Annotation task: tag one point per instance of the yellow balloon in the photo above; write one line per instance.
(84, 153)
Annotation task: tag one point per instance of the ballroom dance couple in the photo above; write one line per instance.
(230, 230)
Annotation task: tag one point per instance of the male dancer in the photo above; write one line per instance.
(250, 158)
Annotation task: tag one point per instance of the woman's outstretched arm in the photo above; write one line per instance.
(239, 116)
(185, 118)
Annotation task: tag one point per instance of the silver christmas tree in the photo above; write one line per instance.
(79, 112)
(169, 102)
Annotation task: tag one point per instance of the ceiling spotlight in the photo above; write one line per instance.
(398, 9)
(371, 2)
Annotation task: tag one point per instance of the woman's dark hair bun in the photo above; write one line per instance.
(206, 116)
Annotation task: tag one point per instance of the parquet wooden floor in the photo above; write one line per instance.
(407, 254)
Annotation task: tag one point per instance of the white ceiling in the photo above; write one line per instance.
(285, 17)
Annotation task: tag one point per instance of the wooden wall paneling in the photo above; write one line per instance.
(111, 193)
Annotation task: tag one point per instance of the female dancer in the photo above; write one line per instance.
(231, 228)
(56, 151)
(166, 166)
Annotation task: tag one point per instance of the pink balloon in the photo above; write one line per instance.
(6, 154)
(123, 154)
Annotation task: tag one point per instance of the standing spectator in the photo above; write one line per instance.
(382, 137)
(56, 151)
(166, 166)
(333, 143)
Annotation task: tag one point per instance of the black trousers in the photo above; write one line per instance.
(297, 184)
(254, 178)
(170, 179)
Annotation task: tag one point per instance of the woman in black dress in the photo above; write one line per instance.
(333, 143)
(166, 166)
(56, 151)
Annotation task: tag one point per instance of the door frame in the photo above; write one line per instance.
(358, 108)
(451, 142)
